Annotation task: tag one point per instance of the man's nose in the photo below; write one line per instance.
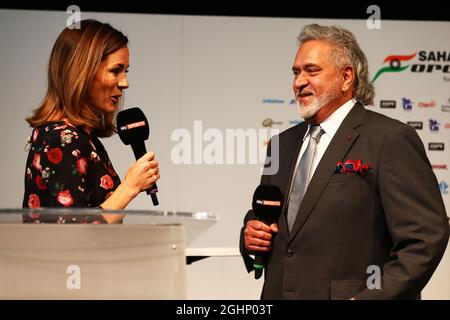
(300, 81)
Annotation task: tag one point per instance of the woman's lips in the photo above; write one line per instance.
(114, 99)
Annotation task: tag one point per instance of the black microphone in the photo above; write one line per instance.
(267, 205)
(133, 129)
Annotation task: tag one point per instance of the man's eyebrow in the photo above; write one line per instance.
(308, 65)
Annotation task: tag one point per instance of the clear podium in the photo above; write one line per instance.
(141, 258)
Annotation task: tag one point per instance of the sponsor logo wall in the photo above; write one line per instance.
(423, 97)
(413, 87)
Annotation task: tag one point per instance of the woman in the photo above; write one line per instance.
(67, 165)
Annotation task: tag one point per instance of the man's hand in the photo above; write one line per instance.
(258, 235)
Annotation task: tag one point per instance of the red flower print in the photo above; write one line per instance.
(37, 161)
(67, 136)
(33, 201)
(65, 198)
(106, 182)
(54, 155)
(60, 127)
(76, 153)
(94, 156)
(40, 184)
(82, 166)
(35, 134)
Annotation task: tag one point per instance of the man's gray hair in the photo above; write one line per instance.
(346, 52)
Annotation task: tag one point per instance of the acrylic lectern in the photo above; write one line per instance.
(141, 258)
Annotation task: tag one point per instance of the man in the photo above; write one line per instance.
(372, 201)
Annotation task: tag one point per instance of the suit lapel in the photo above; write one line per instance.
(339, 146)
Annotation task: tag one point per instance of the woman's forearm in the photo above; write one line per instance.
(118, 200)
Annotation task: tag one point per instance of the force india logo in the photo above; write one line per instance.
(429, 62)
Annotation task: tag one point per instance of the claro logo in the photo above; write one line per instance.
(428, 62)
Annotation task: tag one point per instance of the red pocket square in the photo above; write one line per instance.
(353, 166)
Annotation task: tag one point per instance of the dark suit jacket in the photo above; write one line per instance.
(393, 217)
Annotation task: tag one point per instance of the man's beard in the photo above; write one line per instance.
(318, 103)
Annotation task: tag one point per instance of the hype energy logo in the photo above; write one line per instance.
(428, 62)
(395, 64)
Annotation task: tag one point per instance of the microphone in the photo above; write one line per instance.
(133, 129)
(267, 206)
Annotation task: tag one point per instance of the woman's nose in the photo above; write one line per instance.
(123, 83)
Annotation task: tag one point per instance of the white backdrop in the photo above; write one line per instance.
(229, 73)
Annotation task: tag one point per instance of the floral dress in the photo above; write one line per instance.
(66, 167)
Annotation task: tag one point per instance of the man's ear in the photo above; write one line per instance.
(348, 76)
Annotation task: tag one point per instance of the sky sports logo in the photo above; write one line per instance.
(269, 203)
(431, 61)
(436, 146)
(133, 125)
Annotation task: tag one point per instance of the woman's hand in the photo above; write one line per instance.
(142, 174)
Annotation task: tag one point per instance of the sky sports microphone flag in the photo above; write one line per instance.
(133, 129)
(267, 205)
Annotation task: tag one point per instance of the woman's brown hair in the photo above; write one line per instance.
(75, 58)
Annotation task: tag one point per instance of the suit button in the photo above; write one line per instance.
(289, 253)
